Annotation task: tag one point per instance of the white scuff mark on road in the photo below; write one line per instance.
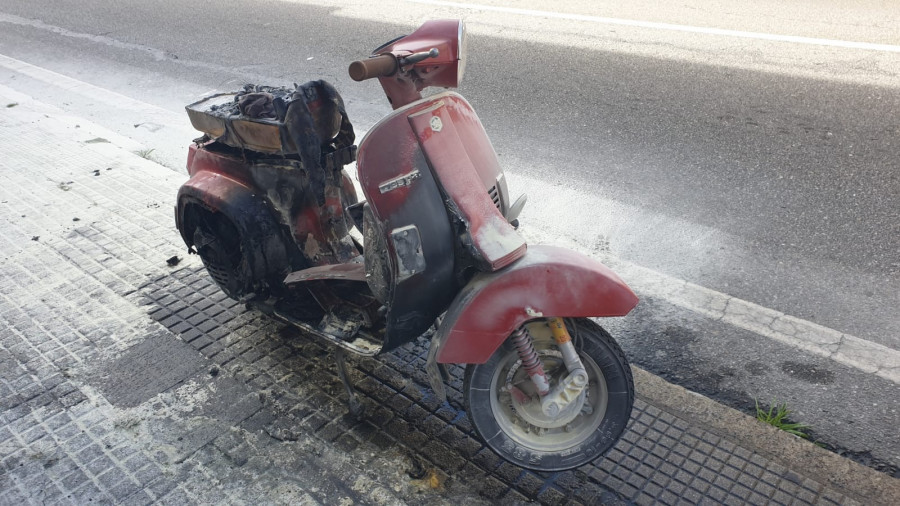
(869, 46)
(843, 348)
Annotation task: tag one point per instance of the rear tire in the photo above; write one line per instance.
(218, 244)
(506, 427)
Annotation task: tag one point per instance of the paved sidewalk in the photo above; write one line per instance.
(126, 380)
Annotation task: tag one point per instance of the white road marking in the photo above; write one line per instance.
(843, 348)
(667, 26)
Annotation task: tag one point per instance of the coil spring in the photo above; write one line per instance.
(521, 339)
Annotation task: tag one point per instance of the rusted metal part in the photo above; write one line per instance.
(408, 248)
(341, 292)
(343, 272)
(333, 295)
(321, 234)
(344, 326)
(378, 265)
(307, 190)
(521, 339)
(519, 397)
(362, 344)
(259, 118)
(357, 408)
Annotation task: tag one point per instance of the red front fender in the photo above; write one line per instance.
(547, 281)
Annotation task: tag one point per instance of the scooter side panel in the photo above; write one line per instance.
(547, 281)
(401, 191)
(201, 159)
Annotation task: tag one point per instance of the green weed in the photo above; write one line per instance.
(777, 416)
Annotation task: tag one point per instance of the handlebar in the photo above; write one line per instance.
(386, 64)
(376, 66)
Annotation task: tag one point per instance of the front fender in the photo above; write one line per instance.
(547, 281)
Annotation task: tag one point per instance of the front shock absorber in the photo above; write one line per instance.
(524, 344)
(570, 388)
(570, 356)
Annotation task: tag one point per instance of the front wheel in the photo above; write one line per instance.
(504, 406)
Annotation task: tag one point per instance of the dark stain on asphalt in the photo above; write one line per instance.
(680, 335)
(757, 368)
(865, 458)
(809, 373)
(681, 365)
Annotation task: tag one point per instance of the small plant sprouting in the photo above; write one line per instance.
(145, 153)
(777, 415)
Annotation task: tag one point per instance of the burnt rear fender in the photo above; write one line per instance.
(547, 281)
(260, 236)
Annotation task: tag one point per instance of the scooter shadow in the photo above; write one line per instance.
(296, 378)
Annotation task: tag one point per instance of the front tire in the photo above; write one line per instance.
(519, 434)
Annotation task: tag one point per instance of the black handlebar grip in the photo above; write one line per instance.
(377, 66)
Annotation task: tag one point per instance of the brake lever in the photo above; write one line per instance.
(417, 57)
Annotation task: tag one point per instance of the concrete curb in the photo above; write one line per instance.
(867, 485)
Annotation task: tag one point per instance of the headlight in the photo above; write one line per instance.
(462, 46)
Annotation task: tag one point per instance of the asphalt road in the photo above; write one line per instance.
(767, 170)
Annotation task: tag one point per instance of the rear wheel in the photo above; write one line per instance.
(504, 406)
(218, 244)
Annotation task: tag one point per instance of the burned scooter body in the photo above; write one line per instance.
(545, 387)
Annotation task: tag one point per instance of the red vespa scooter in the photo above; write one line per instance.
(273, 216)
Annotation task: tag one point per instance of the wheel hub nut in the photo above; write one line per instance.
(551, 409)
